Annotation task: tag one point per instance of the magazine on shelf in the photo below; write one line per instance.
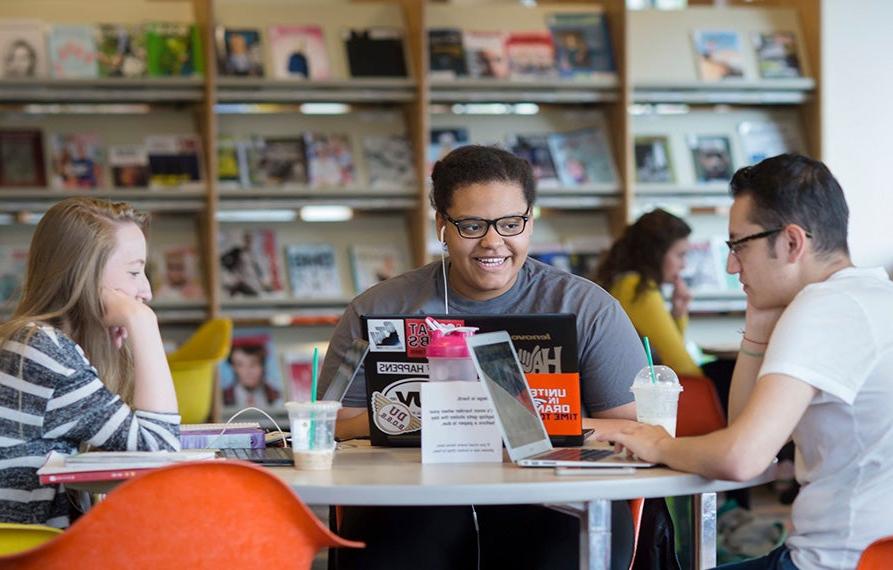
(77, 160)
(443, 141)
(73, 51)
(705, 267)
(763, 139)
(329, 159)
(389, 162)
(298, 52)
(531, 55)
(653, 161)
(174, 161)
(21, 158)
(777, 54)
(13, 261)
(446, 54)
(373, 264)
(277, 161)
(23, 53)
(375, 52)
(249, 263)
(535, 150)
(485, 54)
(121, 50)
(712, 157)
(175, 274)
(583, 157)
(228, 167)
(313, 271)
(250, 376)
(110, 465)
(239, 52)
(578, 263)
(173, 50)
(297, 370)
(718, 54)
(582, 44)
(129, 164)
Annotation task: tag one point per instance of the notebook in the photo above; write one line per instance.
(396, 367)
(522, 428)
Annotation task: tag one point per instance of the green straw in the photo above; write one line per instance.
(650, 360)
(314, 380)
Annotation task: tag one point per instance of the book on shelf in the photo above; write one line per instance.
(239, 51)
(174, 161)
(485, 54)
(712, 156)
(583, 157)
(173, 50)
(329, 159)
(23, 53)
(277, 161)
(249, 376)
(653, 161)
(121, 50)
(21, 158)
(531, 55)
(446, 54)
(777, 54)
(718, 54)
(298, 52)
(249, 264)
(297, 368)
(313, 271)
(389, 162)
(111, 465)
(174, 274)
(763, 139)
(77, 161)
(705, 267)
(129, 164)
(375, 52)
(229, 171)
(535, 150)
(582, 44)
(444, 140)
(13, 262)
(73, 51)
(373, 264)
(577, 263)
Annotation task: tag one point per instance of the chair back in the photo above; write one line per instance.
(16, 537)
(212, 514)
(193, 365)
(878, 555)
(700, 411)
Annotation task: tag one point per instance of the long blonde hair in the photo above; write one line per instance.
(69, 251)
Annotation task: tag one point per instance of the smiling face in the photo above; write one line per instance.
(484, 268)
(125, 268)
(674, 260)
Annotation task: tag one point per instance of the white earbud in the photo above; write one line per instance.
(442, 239)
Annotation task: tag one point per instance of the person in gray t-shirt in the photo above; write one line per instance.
(484, 198)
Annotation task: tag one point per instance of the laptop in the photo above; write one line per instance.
(522, 428)
(396, 367)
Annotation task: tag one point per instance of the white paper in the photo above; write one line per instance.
(458, 424)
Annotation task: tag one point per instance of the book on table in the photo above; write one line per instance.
(111, 465)
(222, 436)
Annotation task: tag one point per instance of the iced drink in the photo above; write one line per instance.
(657, 400)
(313, 433)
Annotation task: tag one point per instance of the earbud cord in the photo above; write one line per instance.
(239, 413)
(446, 304)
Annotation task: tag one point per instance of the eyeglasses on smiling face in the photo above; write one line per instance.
(476, 228)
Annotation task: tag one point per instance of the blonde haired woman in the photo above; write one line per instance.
(81, 360)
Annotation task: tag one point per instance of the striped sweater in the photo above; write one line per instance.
(56, 403)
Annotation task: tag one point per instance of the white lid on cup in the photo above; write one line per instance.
(318, 406)
(664, 379)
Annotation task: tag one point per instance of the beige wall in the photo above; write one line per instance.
(857, 119)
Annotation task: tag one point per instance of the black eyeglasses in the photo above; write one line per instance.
(736, 245)
(476, 228)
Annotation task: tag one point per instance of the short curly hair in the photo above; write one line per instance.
(475, 164)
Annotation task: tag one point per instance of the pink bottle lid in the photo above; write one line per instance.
(450, 345)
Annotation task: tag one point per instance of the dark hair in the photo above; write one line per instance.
(474, 164)
(32, 55)
(794, 189)
(641, 249)
(258, 351)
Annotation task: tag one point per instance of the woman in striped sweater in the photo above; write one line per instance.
(81, 360)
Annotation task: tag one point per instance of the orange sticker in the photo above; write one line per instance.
(557, 399)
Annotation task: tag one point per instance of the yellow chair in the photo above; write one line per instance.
(16, 537)
(192, 367)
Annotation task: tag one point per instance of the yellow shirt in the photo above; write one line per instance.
(651, 318)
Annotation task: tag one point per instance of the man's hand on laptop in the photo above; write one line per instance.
(352, 423)
(640, 440)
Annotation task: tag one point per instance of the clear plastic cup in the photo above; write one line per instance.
(657, 401)
(313, 433)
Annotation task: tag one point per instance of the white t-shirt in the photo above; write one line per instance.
(837, 336)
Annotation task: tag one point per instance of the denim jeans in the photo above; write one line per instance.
(778, 559)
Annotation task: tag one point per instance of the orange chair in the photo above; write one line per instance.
(216, 514)
(700, 411)
(878, 555)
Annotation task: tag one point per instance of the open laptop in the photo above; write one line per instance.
(396, 367)
(522, 428)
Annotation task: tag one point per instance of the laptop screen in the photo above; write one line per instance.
(347, 370)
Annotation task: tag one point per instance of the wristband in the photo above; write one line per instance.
(750, 340)
(743, 350)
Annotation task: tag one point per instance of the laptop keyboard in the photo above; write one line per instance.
(576, 454)
(265, 456)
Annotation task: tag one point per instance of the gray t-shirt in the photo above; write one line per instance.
(610, 353)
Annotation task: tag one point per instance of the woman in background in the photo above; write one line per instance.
(81, 359)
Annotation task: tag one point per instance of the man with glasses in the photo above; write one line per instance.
(815, 365)
(483, 198)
